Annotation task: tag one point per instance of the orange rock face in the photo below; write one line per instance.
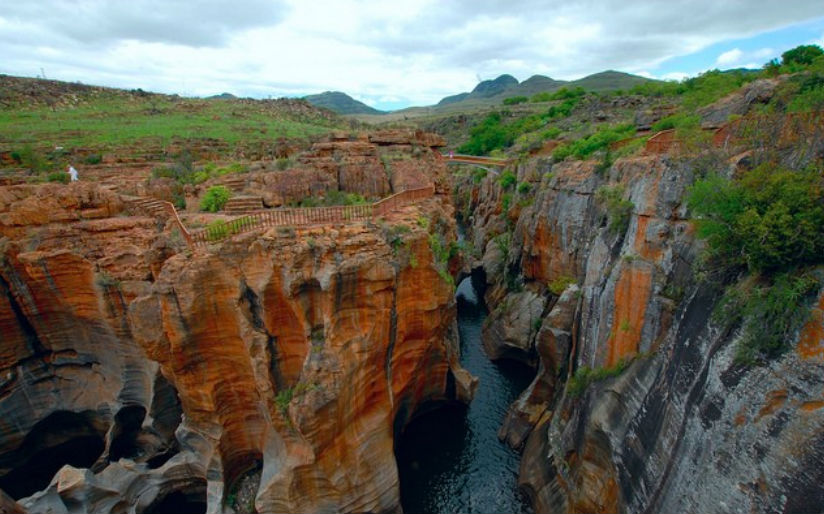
(298, 353)
(321, 349)
(631, 298)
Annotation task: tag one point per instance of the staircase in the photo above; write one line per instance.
(240, 204)
(159, 209)
(235, 183)
(155, 208)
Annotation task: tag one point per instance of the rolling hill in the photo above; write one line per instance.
(340, 103)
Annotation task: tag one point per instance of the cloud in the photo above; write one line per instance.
(416, 51)
(193, 22)
(729, 57)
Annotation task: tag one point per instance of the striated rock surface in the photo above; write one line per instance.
(664, 421)
(277, 369)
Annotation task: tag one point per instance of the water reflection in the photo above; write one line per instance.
(450, 459)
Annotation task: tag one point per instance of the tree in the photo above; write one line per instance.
(804, 54)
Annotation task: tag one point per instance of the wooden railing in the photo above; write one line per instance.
(307, 216)
(398, 200)
(475, 159)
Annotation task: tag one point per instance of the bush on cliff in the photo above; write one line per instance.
(768, 225)
(214, 199)
(770, 220)
(600, 140)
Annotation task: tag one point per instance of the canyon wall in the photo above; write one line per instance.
(595, 268)
(271, 372)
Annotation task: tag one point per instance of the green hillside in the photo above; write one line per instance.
(46, 114)
(340, 103)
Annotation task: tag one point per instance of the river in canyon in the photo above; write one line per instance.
(450, 459)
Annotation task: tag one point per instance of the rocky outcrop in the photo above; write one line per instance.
(138, 374)
(372, 166)
(739, 102)
(638, 405)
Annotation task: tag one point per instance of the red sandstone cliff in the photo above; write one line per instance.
(289, 360)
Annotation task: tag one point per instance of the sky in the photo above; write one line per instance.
(388, 54)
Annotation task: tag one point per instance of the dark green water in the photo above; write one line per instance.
(450, 459)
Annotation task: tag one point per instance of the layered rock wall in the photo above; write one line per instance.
(138, 374)
(669, 422)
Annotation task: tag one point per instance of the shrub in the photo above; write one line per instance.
(58, 176)
(771, 309)
(584, 376)
(514, 100)
(524, 188)
(560, 284)
(586, 146)
(679, 120)
(94, 158)
(214, 199)
(618, 209)
(282, 400)
(217, 230)
(803, 54)
(769, 220)
(544, 96)
(507, 179)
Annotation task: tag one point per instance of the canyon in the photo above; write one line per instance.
(160, 376)
(276, 370)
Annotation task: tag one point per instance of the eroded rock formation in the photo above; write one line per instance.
(139, 376)
(669, 422)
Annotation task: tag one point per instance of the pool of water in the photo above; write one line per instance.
(450, 459)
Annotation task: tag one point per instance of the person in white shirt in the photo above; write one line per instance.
(73, 173)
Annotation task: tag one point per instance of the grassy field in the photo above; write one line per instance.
(49, 114)
(115, 123)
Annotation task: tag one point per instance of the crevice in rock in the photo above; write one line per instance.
(188, 497)
(166, 412)
(127, 425)
(28, 330)
(242, 491)
(61, 438)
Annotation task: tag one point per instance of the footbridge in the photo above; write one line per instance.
(487, 163)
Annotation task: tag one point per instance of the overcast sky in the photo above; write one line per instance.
(388, 53)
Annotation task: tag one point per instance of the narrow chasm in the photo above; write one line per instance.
(189, 498)
(61, 438)
(450, 458)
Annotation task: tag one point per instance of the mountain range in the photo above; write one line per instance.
(489, 92)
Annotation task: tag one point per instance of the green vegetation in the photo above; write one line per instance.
(677, 121)
(282, 400)
(524, 188)
(217, 230)
(600, 140)
(330, 198)
(584, 376)
(560, 283)
(771, 309)
(563, 93)
(618, 209)
(507, 179)
(514, 100)
(493, 133)
(769, 220)
(764, 226)
(441, 253)
(215, 198)
(58, 176)
(804, 54)
(116, 119)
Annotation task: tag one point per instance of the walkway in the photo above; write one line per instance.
(288, 217)
(475, 159)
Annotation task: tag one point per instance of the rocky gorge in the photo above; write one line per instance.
(276, 371)
(270, 373)
(640, 403)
